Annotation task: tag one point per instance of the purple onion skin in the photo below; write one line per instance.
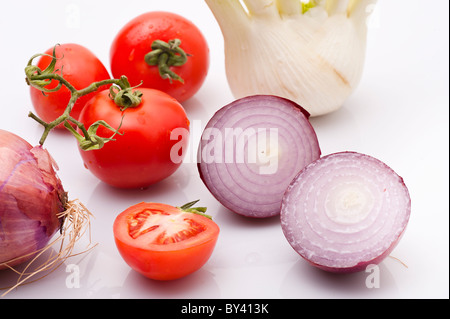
(31, 196)
(297, 236)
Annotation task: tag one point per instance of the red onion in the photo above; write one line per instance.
(31, 197)
(345, 211)
(250, 151)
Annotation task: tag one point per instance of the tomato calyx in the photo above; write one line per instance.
(165, 55)
(195, 210)
(32, 71)
(125, 96)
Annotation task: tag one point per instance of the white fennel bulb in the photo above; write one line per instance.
(310, 52)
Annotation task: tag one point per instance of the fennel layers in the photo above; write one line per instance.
(312, 53)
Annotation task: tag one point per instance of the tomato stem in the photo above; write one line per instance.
(120, 91)
(195, 210)
(165, 55)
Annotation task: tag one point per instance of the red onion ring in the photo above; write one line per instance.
(250, 151)
(345, 211)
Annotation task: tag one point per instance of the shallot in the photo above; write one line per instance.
(33, 206)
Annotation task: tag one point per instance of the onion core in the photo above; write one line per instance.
(250, 151)
(345, 212)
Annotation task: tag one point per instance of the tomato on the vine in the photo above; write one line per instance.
(163, 242)
(150, 143)
(80, 67)
(134, 42)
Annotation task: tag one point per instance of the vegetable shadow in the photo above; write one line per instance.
(313, 282)
(200, 284)
(194, 106)
(226, 216)
(340, 130)
(32, 287)
(161, 192)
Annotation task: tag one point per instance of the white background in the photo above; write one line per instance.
(399, 114)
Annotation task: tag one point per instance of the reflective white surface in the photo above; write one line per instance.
(398, 114)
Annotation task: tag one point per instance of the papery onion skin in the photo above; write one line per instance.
(31, 196)
(241, 187)
(337, 245)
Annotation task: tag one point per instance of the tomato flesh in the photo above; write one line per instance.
(179, 227)
(163, 242)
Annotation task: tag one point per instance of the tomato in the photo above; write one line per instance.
(80, 67)
(134, 41)
(163, 242)
(144, 154)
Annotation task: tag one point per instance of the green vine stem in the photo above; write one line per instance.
(188, 208)
(120, 91)
(165, 55)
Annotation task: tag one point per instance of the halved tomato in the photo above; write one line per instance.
(164, 242)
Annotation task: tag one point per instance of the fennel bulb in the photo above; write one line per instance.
(310, 52)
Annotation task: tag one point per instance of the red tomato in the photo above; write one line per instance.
(163, 242)
(134, 41)
(144, 154)
(80, 67)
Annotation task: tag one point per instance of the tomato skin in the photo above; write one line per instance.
(142, 155)
(80, 67)
(168, 261)
(134, 41)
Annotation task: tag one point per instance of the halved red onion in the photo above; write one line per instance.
(31, 197)
(345, 211)
(251, 150)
